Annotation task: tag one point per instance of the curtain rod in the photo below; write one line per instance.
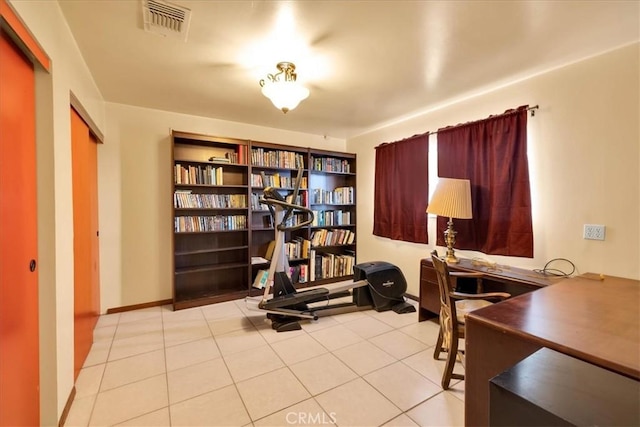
(530, 109)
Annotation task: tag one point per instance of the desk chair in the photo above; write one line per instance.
(453, 308)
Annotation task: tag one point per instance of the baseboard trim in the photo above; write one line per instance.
(67, 407)
(139, 306)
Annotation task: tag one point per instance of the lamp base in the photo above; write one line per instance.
(451, 259)
(450, 240)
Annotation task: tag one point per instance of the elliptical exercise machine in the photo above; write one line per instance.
(378, 285)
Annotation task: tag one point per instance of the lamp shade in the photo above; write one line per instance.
(452, 199)
(285, 95)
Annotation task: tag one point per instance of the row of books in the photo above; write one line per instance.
(255, 203)
(301, 200)
(239, 156)
(297, 248)
(185, 199)
(296, 219)
(332, 237)
(276, 180)
(297, 274)
(276, 158)
(326, 266)
(186, 224)
(332, 217)
(206, 175)
(330, 164)
(339, 196)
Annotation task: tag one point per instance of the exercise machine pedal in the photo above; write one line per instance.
(403, 307)
(285, 324)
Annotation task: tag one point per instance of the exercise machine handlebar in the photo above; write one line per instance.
(293, 207)
(272, 198)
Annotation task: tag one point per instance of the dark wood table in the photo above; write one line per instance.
(594, 320)
(496, 278)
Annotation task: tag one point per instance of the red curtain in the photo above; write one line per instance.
(402, 189)
(492, 154)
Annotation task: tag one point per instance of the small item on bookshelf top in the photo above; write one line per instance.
(219, 160)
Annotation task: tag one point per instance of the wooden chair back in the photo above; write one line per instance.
(448, 320)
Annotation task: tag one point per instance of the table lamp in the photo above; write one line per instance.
(452, 199)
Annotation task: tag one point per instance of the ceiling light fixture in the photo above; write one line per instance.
(282, 88)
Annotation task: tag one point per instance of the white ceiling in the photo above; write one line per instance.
(366, 63)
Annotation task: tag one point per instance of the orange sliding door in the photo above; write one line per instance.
(85, 240)
(19, 345)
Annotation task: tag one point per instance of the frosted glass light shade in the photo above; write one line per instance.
(452, 199)
(285, 95)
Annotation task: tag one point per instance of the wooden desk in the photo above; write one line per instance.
(515, 281)
(597, 321)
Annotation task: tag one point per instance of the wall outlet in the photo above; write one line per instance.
(593, 232)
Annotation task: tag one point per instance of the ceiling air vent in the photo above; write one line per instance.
(166, 19)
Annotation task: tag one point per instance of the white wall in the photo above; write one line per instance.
(68, 73)
(584, 159)
(135, 186)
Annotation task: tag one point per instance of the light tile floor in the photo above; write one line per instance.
(223, 365)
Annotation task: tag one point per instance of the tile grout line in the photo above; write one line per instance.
(95, 400)
(234, 383)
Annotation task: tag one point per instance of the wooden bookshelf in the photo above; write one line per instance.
(332, 197)
(210, 211)
(220, 226)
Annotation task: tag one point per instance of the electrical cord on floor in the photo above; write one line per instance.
(546, 270)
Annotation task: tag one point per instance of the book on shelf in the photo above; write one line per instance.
(327, 265)
(332, 237)
(261, 279)
(339, 196)
(297, 248)
(330, 164)
(189, 174)
(267, 221)
(276, 158)
(270, 248)
(220, 159)
(298, 274)
(312, 265)
(331, 217)
(259, 260)
(209, 223)
(185, 199)
(242, 154)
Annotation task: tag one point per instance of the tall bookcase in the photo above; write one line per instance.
(223, 235)
(210, 210)
(332, 198)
